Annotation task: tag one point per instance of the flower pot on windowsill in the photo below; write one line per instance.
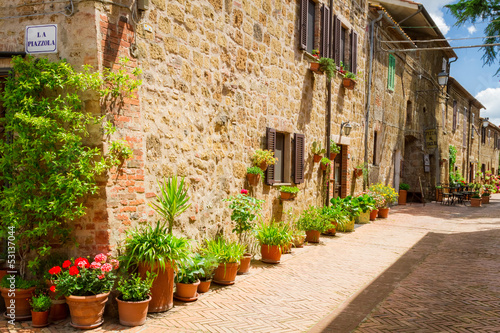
(253, 179)
(348, 83)
(316, 68)
(287, 196)
(317, 158)
(332, 156)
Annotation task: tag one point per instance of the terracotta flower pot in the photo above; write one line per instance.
(253, 179)
(332, 156)
(86, 311)
(317, 158)
(298, 241)
(204, 286)
(22, 308)
(133, 313)
(245, 263)
(485, 199)
(383, 212)
(316, 68)
(226, 273)
(333, 230)
(323, 166)
(263, 166)
(271, 254)
(186, 291)
(162, 291)
(59, 308)
(373, 214)
(475, 202)
(312, 236)
(39, 319)
(286, 196)
(348, 83)
(358, 172)
(402, 197)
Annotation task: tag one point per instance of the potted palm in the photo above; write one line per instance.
(312, 222)
(86, 287)
(254, 174)
(133, 302)
(334, 149)
(40, 306)
(288, 192)
(272, 237)
(17, 303)
(208, 264)
(318, 151)
(228, 255)
(262, 158)
(187, 279)
(403, 191)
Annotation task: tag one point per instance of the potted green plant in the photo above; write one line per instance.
(337, 216)
(40, 306)
(323, 65)
(254, 174)
(403, 191)
(208, 263)
(439, 193)
(334, 149)
(349, 78)
(390, 197)
(358, 170)
(324, 163)
(312, 222)
(187, 279)
(228, 254)
(288, 192)
(487, 189)
(366, 204)
(17, 303)
(262, 158)
(317, 150)
(134, 298)
(379, 202)
(245, 209)
(476, 200)
(272, 237)
(86, 287)
(351, 206)
(155, 250)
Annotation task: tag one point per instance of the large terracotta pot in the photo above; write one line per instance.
(332, 156)
(186, 291)
(133, 313)
(373, 214)
(485, 199)
(317, 158)
(364, 217)
(312, 236)
(162, 291)
(21, 308)
(39, 319)
(383, 212)
(204, 286)
(245, 263)
(86, 311)
(59, 308)
(402, 197)
(475, 202)
(253, 179)
(271, 254)
(226, 273)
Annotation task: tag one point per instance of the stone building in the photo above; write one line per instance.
(488, 150)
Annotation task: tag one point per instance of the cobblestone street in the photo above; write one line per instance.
(425, 269)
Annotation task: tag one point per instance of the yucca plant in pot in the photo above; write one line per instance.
(228, 254)
(312, 222)
(153, 249)
(133, 302)
(272, 237)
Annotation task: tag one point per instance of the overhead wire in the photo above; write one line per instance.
(439, 40)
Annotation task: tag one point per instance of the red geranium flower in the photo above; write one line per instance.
(82, 262)
(243, 191)
(55, 270)
(73, 270)
(53, 289)
(66, 264)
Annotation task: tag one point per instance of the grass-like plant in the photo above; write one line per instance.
(172, 201)
(224, 250)
(274, 233)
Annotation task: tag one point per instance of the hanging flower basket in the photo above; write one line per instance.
(348, 83)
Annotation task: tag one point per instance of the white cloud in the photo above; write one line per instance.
(435, 9)
(439, 20)
(489, 98)
(472, 29)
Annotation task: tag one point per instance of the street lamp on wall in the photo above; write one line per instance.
(347, 128)
(443, 78)
(486, 122)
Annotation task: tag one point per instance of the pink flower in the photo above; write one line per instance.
(95, 265)
(101, 257)
(82, 262)
(106, 268)
(115, 263)
(100, 277)
(243, 191)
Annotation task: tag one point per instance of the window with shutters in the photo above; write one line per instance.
(391, 75)
(324, 47)
(354, 52)
(307, 25)
(343, 33)
(290, 157)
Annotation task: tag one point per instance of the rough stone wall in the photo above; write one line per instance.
(489, 151)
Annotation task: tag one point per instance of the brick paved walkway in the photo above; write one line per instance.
(436, 263)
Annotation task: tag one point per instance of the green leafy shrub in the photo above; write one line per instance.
(312, 219)
(334, 148)
(225, 251)
(328, 66)
(255, 171)
(245, 210)
(337, 215)
(135, 289)
(325, 161)
(274, 233)
(289, 189)
(208, 263)
(40, 303)
(404, 186)
(189, 270)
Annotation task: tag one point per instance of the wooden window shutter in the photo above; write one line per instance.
(303, 24)
(325, 32)
(336, 39)
(354, 52)
(455, 109)
(270, 145)
(391, 72)
(298, 153)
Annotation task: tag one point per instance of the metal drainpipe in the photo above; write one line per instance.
(467, 166)
(369, 84)
(329, 113)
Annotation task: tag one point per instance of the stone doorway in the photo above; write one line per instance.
(413, 163)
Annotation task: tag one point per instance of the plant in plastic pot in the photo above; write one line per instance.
(134, 298)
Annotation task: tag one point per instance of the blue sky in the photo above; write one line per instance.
(468, 69)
